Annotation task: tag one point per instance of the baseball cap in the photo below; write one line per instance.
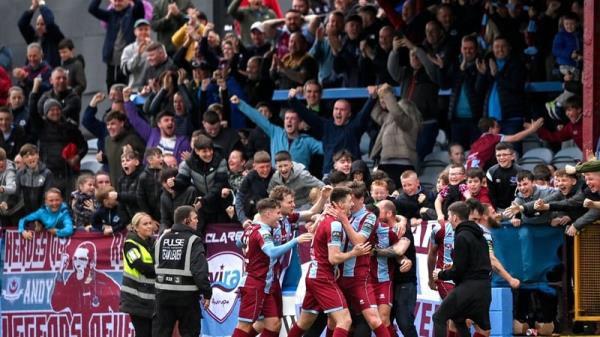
(257, 25)
(141, 22)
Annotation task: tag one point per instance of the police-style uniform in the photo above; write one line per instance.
(181, 278)
(137, 289)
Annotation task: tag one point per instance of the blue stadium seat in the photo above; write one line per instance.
(571, 152)
(543, 154)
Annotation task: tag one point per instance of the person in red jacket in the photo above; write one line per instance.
(5, 84)
(573, 129)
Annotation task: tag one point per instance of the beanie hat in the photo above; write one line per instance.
(49, 104)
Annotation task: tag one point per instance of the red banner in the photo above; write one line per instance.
(55, 287)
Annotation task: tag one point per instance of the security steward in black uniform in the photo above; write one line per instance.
(181, 277)
(471, 272)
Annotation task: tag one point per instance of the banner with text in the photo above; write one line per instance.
(55, 287)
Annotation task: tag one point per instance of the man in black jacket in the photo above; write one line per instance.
(46, 31)
(254, 187)
(181, 277)
(471, 272)
(70, 102)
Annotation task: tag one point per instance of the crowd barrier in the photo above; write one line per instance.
(347, 93)
(55, 287)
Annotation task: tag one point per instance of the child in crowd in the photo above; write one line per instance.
(83, 202)
(475, 188)
(74, 64)
(11, 203)
(127, 187)
(54, 216)
(379, 191)
(34, 179)
(542, 176)
(148, 186)
(16, 103)
(482, 150)
(456, 190)
(567, 49)
(110, 217)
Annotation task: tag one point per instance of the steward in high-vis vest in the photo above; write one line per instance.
(137, 289)
(181, 277)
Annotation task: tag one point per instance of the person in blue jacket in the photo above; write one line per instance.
(301, 146)
(54, 216)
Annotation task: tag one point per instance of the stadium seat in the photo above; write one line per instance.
(561, 162)
(541, 153)
(440, 156)
(531, 142)
(571, 152)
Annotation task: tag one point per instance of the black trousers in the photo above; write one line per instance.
(142, 326)
(470, 299)
(186, 312)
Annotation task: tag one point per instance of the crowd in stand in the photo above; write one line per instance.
(192, 121)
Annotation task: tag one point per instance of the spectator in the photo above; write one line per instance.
(167, 17)
(62, 145)
(34, 179)
(254, 187)
(347, 53)
(419, 83)
(413, 197)
(16, 103)
(128, 183)
(502, 177)
(119, 33)
(226, 139)
(260, 45)
(102, 179)
(527, 193)
(258, 85)
(69, 101)
(506, 79)
(294, 176)
(74, 66)
(396, 142)
(255, 12)
(375, 54)
(258, 140)
(83, 202)
(5, 57)
(95, 126)
(475, 181)
(456, 154)
(134, 56)
(188, 36)
(457, 190)
(46, 32)
(110, 217)
(482, 149)
(322, 52)
(157, 62)
(571, 130)
(340, 132)
(585, 201)
(36, 67)
(236, 166)
(296, 66)
(300, 146)
(14, 136)
(342, 163)
(162, 136)
(172, 198)
(292, 23)
(207, 171)
(467, 79)
(11, 202)
(54, 217)
(149, 186)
